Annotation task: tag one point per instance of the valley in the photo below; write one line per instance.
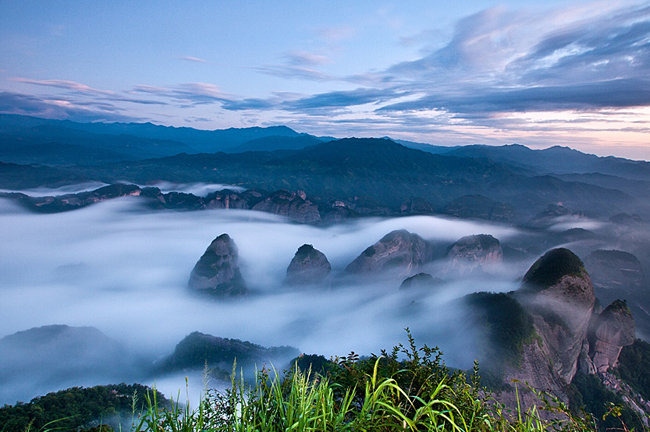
(151, 269)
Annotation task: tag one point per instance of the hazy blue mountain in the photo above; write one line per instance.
(558, 160)
(27, 140)
(198, 140)
(16, 176)
(276, 142)
(377, 169)
(429, 148)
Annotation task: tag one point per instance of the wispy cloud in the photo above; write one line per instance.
(188, 94)
(304, 58)
(299, 65)
(620, 93)
(318, 103)
(60, 108)
(63, 84)
(498, 60)
(193, 59)
(84, 90)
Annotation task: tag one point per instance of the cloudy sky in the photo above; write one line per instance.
(443, 72)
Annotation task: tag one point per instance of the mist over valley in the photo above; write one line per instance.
(151, 270)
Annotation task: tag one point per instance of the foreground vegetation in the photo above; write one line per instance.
(379, 393)
(407, 389)
(76, 408)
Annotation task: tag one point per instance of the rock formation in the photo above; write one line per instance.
(227, 199)
(399, 251)
(309, 266)
(217, 272)
(67, 202)
(293, 205)
(558, 293)
(610, 331)
(475, 251)
(548, 326)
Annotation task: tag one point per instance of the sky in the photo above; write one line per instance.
(572, 73)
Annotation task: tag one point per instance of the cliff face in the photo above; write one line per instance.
(217, 272)
(568, 336)
(399, 251)
(309, 266)
(558, 293)
(610, 331)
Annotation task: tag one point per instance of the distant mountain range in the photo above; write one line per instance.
(38, 152)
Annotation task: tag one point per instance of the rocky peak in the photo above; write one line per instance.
(609, 332)
(399, 251)
(475, 251)
(558, 293)
(309, 266)
(217, 272)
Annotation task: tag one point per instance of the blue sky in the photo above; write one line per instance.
(443, 72)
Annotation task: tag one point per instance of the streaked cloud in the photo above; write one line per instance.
(193, 59)
(59, 108)
(303, 58)
(188, 94)
(63, 84)
(299, 65)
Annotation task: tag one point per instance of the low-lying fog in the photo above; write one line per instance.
(124, 269)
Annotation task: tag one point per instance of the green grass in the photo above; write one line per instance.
(408, 389)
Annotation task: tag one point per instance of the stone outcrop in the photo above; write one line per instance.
(227, 199)
(309, 266)
(610, 331)
(293, 205)
(475, 251)
(217, 272)
(399, 251)
(558, 293)
(67, 202)
(419, 281)
(551, 329)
